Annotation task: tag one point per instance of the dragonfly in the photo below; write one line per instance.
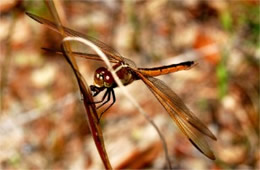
(126, 70)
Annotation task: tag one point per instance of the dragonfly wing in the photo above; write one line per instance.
(179, 107)
(80, 54)
(110, 52)
(189, 124)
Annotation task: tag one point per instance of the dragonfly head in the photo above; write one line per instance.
(103, 78)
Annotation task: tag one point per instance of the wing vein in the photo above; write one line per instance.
(178, 112)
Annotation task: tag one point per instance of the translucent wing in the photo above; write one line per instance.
(110, 52)
(189, 124)
(82, 55)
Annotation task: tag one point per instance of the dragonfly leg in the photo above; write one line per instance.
(114, 100)
(103, 98)
(95, 91)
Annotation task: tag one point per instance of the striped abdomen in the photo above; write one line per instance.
(157, 71)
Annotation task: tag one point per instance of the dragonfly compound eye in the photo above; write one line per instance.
(108, 79)
(99, 76)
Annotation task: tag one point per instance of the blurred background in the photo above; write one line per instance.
(42, 118)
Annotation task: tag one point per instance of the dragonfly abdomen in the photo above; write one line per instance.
(157, 71)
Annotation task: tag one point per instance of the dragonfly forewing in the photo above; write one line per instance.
(81, 55)
(110, 52)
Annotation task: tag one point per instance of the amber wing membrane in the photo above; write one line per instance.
(189, 124)
(110, 52)
(157, 71)
(80, 54)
